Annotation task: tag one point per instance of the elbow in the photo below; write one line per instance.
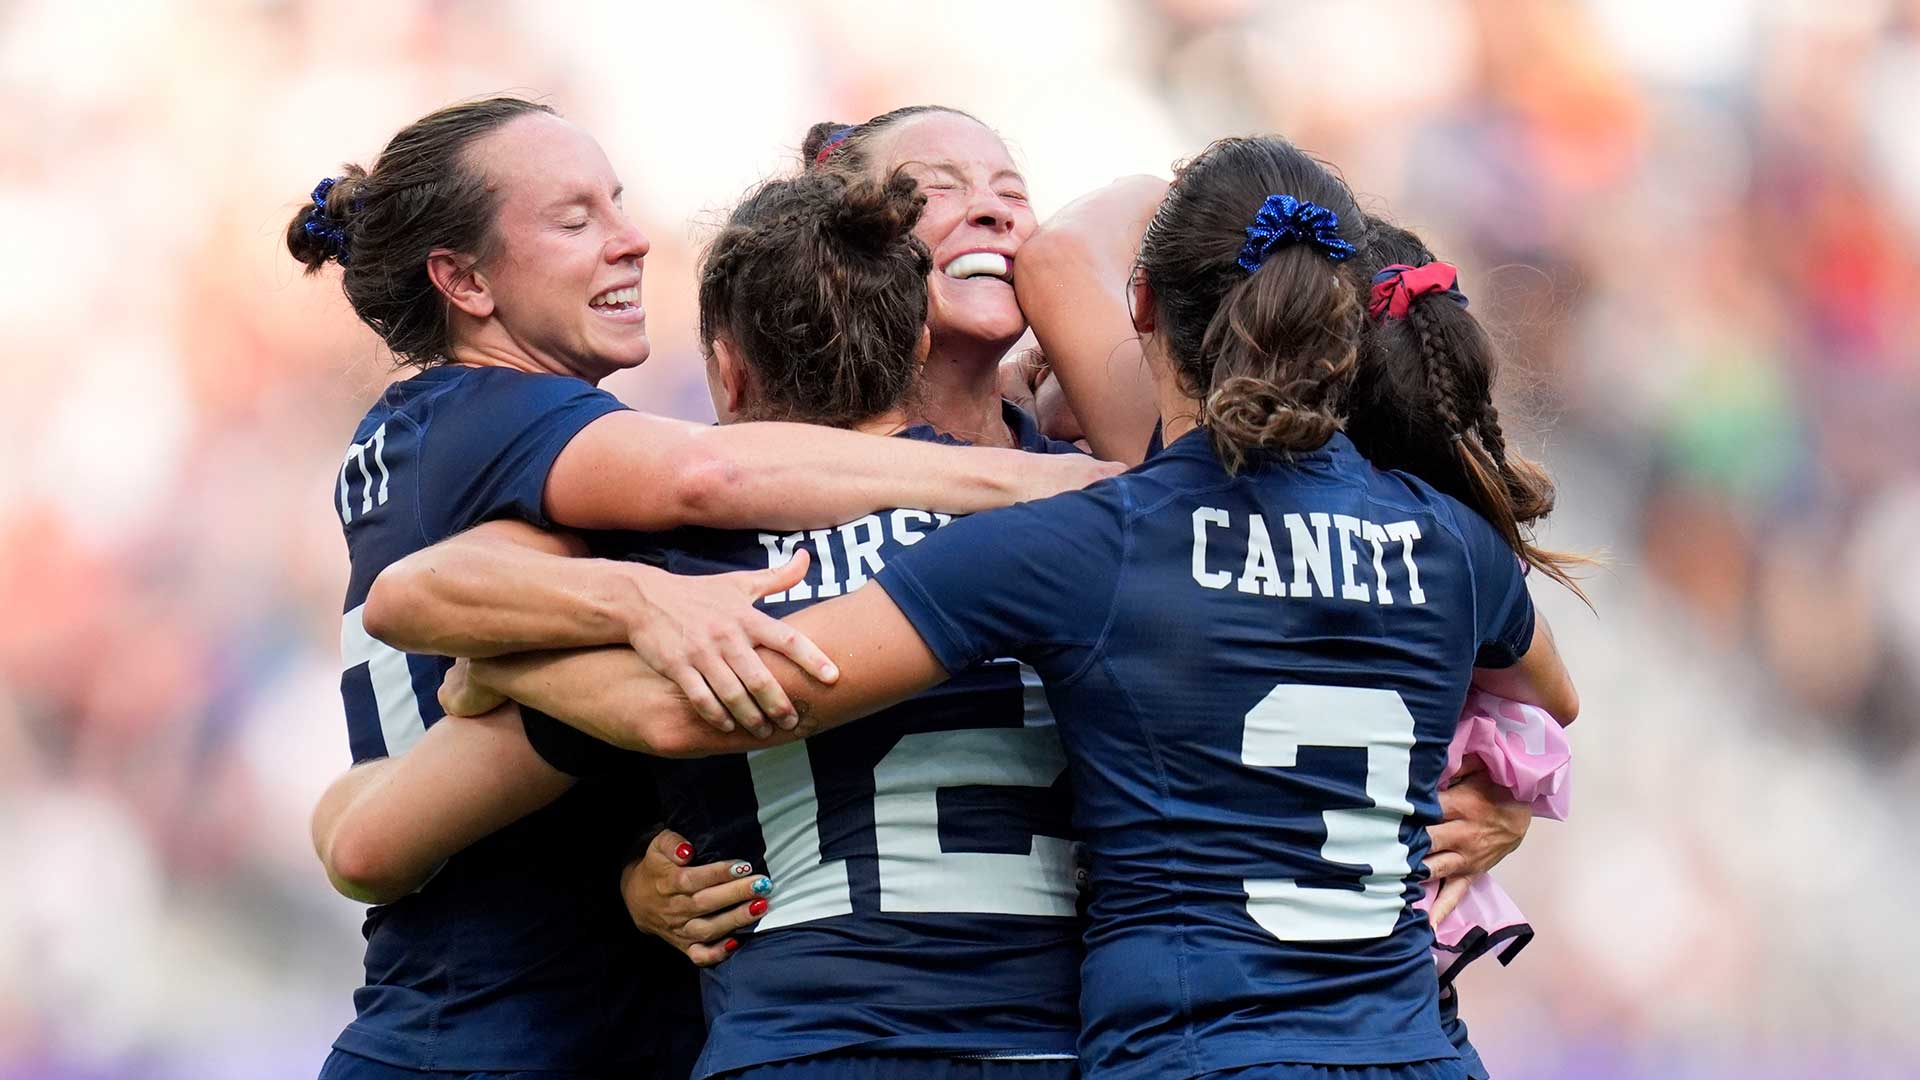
(388, 615)
(704, 483)
(364, 869)
(1565, 707)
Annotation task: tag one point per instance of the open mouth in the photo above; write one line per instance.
(621, 301)
(976, 264)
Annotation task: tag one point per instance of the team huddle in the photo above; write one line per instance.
(880, 731)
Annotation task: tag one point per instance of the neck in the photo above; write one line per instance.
(1179, 413)
(960, 391)
(487, 352)
(890, 422)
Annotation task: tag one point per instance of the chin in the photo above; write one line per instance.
(1001, 328)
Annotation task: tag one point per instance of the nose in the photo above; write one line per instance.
(627, 242)
(989, 211)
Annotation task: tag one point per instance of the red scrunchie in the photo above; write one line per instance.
(1396, 287)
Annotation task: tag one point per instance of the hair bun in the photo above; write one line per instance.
(870, 218)
(318, 233)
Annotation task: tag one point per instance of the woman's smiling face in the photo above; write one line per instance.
(976, 218)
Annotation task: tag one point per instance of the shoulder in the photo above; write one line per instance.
(505, 389)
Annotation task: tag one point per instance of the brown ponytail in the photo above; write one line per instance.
(1266, 353)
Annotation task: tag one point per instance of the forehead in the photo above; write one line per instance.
(944, 136)
(536, 159)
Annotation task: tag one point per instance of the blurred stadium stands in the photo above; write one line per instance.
(1697, 225)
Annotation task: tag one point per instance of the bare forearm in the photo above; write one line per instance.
(615, 697)
(460, 600)
(1073, 286)
(384, 828)
(798, 476)
(612, 695)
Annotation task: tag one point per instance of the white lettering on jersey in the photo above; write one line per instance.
(1262, 573)
(1407, 532)
(357, 456)
(853, 548)
(1202, 517)
(780, 551)
(1310, 552)
(1349, 559)
(1311, 537)
(862, 554)
(400, 719)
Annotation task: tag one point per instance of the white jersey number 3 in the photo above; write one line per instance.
(1339, 716)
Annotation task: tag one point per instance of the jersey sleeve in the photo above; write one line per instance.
(1502, 604)
(486, 452)
(573, 751)
(1015, 582)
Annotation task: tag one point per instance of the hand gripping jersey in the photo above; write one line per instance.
(1256, 679)
(925, 877)
(518, 954)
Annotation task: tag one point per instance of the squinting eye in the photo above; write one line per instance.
(574, 226)
(1016, 196)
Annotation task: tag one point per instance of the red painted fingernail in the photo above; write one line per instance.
(757, 908)
(732, 944)
(683, 852)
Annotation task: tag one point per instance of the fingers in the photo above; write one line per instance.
(1447, 865)
(460, 695)
(1450, 836)
(726, 686)
(705, 955)
(794, 645)
(700, 696)
(695, 880)
(763, 583)
(768, 696)
(669, 846)
(1452, 891)
(727, 920)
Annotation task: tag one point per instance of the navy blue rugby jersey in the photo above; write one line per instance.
(1255, 678)
(518, 954)
(926, 880)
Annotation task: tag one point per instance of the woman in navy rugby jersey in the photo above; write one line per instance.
(814, 307)
(488, 248)
(1256, 645)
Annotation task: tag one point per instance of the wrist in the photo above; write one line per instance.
(625, 607)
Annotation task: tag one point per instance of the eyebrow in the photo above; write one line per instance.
(583, 198)
(954, 170)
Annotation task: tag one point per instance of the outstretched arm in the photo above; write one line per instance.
(1073, 283)
(611, 695)
(507, 587)
(383, 828)
(628, 470)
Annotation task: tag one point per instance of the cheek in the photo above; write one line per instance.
(1024, 222)
(936, 222)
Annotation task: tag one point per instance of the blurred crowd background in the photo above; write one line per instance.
(1696, 224)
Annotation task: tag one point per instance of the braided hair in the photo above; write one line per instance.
(1422, 402)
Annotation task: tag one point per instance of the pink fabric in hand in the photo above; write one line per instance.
(1524, 751)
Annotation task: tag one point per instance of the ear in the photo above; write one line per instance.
(1140, 302)
(924, 346)
(735, 377)
(456, 278)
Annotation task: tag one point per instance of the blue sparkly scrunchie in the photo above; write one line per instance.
(324, 226)
(1284, 220)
